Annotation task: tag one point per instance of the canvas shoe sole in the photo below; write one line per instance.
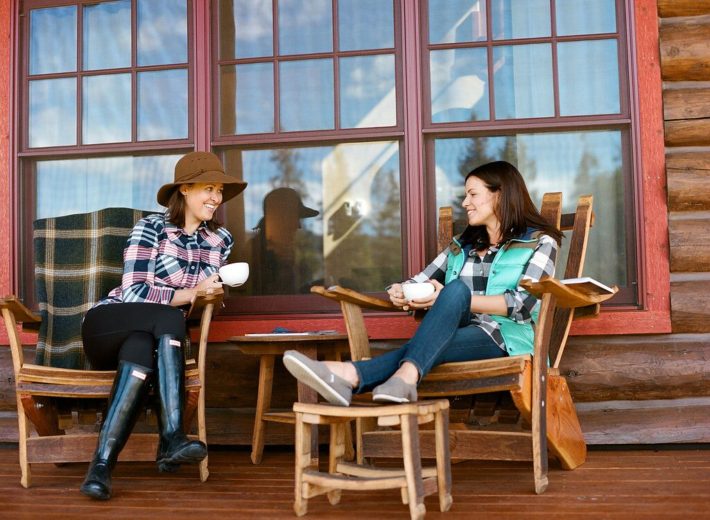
(394, 390)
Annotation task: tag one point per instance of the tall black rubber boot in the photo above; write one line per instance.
(127, 393)
(174, 448)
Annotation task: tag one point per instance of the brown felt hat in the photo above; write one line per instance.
(203, 167)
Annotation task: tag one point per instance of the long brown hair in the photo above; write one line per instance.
(176, 211)
(515, 210)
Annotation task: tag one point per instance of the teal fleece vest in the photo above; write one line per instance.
(505, 273)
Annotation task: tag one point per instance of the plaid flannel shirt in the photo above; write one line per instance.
(474, 274)
(161, 258)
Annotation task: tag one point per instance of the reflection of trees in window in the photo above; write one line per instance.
(386, 221)
(368, 255)
(608, 231)
(289, 175)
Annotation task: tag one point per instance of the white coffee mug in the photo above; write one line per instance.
(234, 274)
(417, 291)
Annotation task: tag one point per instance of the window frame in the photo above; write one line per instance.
(134, 145)
(653, 267)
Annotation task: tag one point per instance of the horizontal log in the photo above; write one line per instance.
(688, 181)
(690, 311)
(639, 367)
(670, 8)
(685, 50)
(646, 422)
(689, 239)
(686, 103)
(687, 132)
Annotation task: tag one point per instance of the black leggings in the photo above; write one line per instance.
(128, 332)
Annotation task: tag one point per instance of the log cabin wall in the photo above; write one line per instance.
(656, 389)
(628, 389)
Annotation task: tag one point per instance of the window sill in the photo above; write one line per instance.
(383, 326)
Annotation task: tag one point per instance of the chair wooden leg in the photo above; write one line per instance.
(443, 460)
(263, 403)
(362, 425)
(564, 433)
(23, 427)
(413, 466)
(539, 438)
(202, 434)
(302, 449)
(337, 452)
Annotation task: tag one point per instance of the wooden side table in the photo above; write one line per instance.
(267, 347)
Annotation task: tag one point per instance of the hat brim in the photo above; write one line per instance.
(306, 212)
(232, 186)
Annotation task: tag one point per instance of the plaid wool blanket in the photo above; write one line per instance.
(78, 260)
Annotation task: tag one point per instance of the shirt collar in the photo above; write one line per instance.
(175, 232)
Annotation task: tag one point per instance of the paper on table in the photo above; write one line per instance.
(312, 333)
(256, 334)
(587, 285)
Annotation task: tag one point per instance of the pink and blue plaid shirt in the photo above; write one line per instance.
(160, 258)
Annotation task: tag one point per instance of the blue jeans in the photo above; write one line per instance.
(444, 335)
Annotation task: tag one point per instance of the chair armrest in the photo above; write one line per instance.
(202, 300)
(567, 295)
(29, 320)
(338, 293)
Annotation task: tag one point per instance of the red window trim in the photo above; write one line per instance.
(654, 267)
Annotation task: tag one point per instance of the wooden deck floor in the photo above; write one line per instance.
(611, 484)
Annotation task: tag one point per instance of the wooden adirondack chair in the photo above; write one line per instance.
(39, 385)
(539, 392)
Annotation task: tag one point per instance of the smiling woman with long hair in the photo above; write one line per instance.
(477, 309)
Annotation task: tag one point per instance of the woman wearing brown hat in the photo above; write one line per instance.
(138, 329)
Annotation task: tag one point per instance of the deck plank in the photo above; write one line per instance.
(611, 484)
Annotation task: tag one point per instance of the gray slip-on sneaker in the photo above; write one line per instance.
(395, 390)
(316, 375)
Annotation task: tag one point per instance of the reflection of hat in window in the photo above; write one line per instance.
(285, 199)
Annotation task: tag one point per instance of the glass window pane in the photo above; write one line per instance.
(453, 21)
(305, 26)
(355, 238)
(247, 99)
(585, 16)
(53, 40)
(82, 185)
(459, 85)
(106, 116)
(589, 77)
(520, 18)
(52, 112)
(245, 28)
(523, 81)
(107, 35)
(162, 32)
(365, 24)
(574, 163)
(162, 105)
(306, 95)
(367, 92)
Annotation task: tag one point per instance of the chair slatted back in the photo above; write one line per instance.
(575, 265)
(78, 260)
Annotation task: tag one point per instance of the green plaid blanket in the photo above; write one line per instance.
(78, 260)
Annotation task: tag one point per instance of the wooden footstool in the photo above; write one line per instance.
(414, 481)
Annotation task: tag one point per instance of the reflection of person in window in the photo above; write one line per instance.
(274, 245)
(477, 308)
(139, 328)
